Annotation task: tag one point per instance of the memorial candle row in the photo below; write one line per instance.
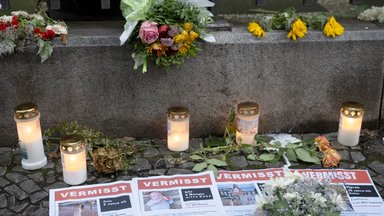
(73, 147)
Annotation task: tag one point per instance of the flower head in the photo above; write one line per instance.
(6, 19)
(193, 35)
(256, 29)
(332, 158)
(332, 28)
(20, 14)
(15, 22)
(176, 46)
(37, 31)
(184, 49)
(173, 31)
(48, 34)
(3, 26)
(58, 29)
(149, 32)
(179, 38)
(163, 28)
(322, 143)
(187, 26)
(167, 42)
(299, 29)
(156, 48)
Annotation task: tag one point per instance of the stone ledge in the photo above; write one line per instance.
(107, 33)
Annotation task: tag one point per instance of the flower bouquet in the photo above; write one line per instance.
(21, 28)
(164, 31)
(294, 195)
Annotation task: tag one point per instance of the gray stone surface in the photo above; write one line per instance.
(174, 171)
(141, 164)
(379, 180)
(151, 152)
(3, 182)
(187, 165)
(2, 170)
(55, 185)
(238, 161)
(39, 212)
(273, 71)
(157, 172)
(6, 212)
(344, 155)
(36, 197)
(3, 201)
(20, 207)
(16, 177)
(16, 191)
(29, 186)
(377, 166)
(357, 157)
(5, 150)
(5, 160)
(37, 177)
(343, 165)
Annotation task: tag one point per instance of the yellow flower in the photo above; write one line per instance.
(179, 38)
(298, 30)
(332, 28)
(193, 35)
(184, 49)
(187, 26)
(256, 29)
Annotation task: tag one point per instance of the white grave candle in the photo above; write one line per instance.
(73, 159)
(247, 122)
(351, 119)
(27, 119)
(178, 129)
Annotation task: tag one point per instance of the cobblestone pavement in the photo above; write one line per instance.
(26, 192)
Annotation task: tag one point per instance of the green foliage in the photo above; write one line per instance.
(45, 49)
(284, 20)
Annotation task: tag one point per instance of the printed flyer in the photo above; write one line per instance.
(359, 191)
(110, 199)
(238, 189)
(194, 194)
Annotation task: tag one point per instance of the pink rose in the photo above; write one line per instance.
(149, 32)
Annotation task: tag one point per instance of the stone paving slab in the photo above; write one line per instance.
(27, 192)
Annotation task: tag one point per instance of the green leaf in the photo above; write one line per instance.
(292, 145)
(291, 155)
(196, 157)
(247, 148)
(306, 156)
(231, 118)
(45, 49)
(251, 157)
(213, 141)
(217, 162)
(268, 157)
(213, 169)
(200, 166)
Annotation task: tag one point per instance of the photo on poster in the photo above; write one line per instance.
(160, 200)
(237, 194)
(78, 208)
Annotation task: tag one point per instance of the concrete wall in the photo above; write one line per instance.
(299, 85)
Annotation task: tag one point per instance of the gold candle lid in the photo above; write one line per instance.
(26, 111)
(248, 108)
(178, 112)
(352, 109)
(72, 143)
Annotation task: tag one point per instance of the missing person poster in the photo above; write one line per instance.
(194, 194)
(238, 189)
(110, 199)
(357, 189)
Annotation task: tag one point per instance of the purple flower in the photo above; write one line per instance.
(167, 42)
(176, 46)
(173, 31)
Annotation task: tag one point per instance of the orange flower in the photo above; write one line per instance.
(332, 158)
(156, 48)
(322, 143)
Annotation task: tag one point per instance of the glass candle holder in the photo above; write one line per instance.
(73, 159)
(351, 119)
(178, 128)
(247, 122)
(27, 119)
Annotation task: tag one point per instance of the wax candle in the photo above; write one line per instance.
(247, 122)
(73, 159)
(27, 119)
(351, 119)
(178, 128)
